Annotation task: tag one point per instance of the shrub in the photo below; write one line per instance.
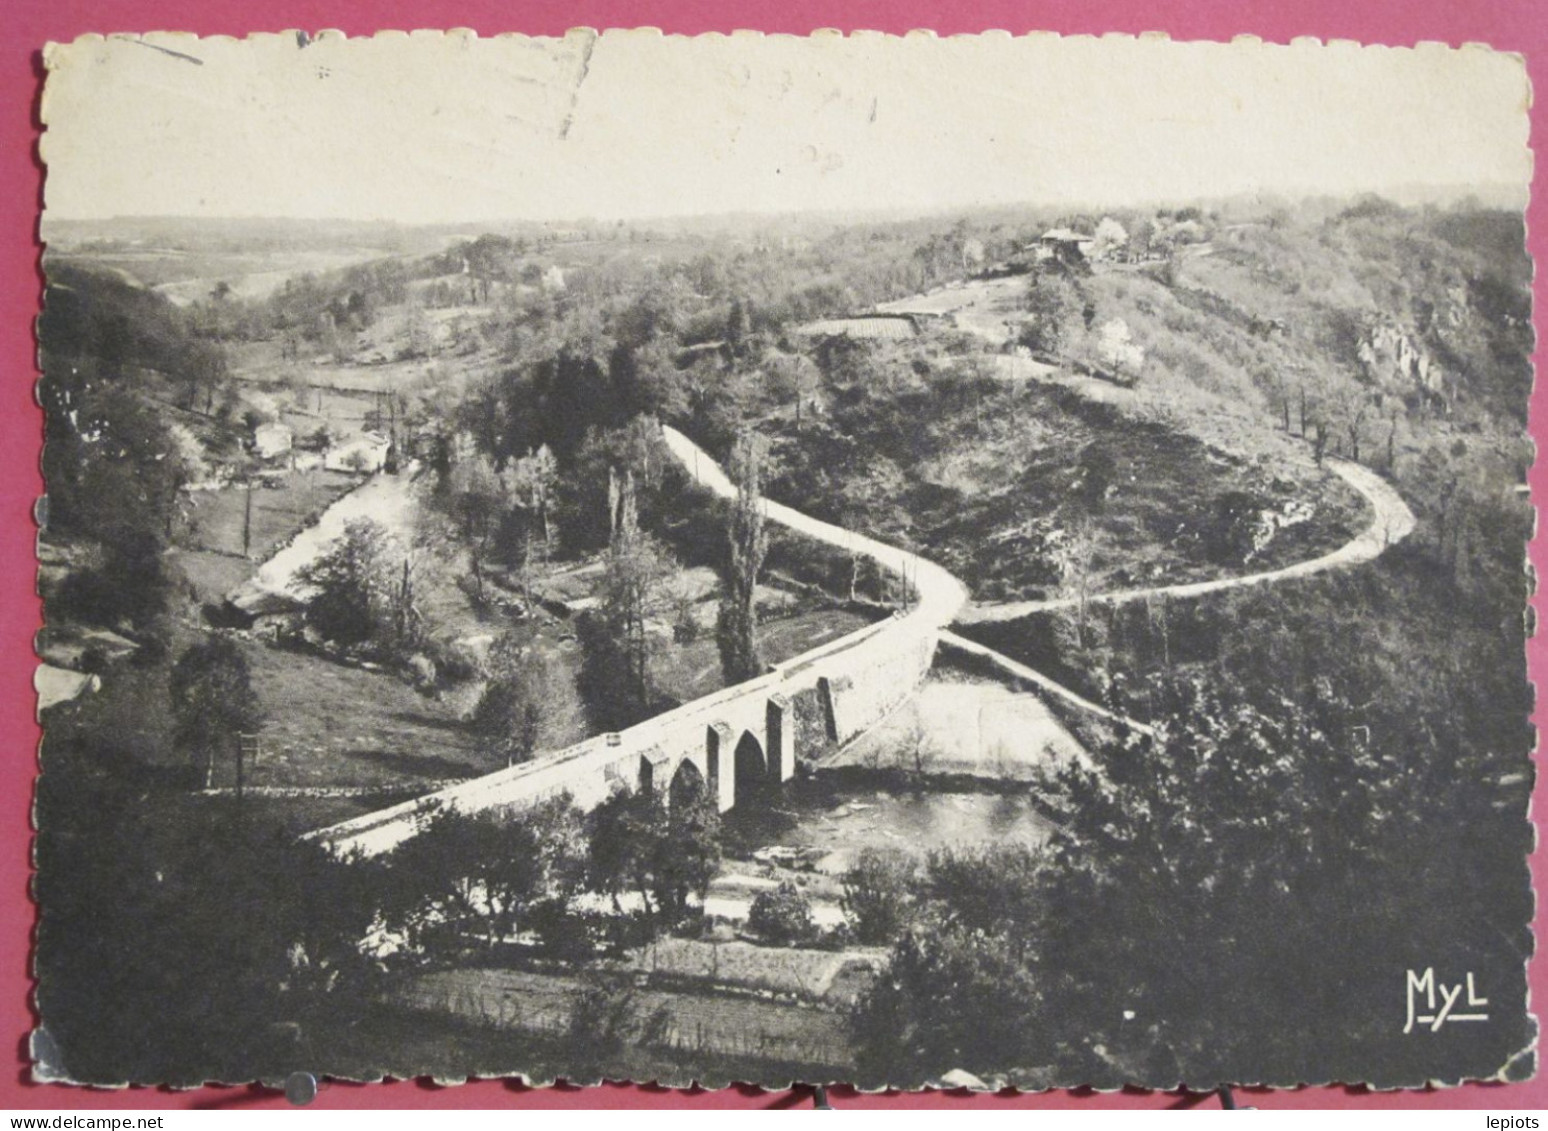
(783, 916)
(605, 1019)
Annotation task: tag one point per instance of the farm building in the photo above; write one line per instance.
(365, 453)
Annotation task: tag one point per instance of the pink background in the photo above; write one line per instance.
(1515, 25)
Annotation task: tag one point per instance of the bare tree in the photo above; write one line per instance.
(918, 751)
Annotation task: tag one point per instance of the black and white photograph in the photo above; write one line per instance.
(972, 562)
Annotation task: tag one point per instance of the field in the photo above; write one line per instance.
(695, 1024)
(216, 519)
(330, 724)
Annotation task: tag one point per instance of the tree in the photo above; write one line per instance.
(1056, 315)
(917, 750)
(1176, 887)
(688, 853)
(736, 629)
(529, 702)
(637, 844)
(213, 703)
(878, 896)
(1116, 350)
(793, 378)
(952, 998)
(1108, 239)
(619, 837)
(360, 592)
(536, 476)
(477, 498)
(616, 649)
(739, 325)
(783, 916)
(487, 870)
(587, 497)
(649, 381)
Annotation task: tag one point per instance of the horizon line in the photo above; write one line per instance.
(1456, 191)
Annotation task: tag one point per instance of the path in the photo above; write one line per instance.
(1390, 523)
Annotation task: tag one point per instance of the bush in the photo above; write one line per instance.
(685, 624)
(878, 896)
(783, 916)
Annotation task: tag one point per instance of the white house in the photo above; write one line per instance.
(365, 453)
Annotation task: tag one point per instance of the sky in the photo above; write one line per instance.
(432, 128)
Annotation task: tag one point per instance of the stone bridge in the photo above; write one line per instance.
(733, 743)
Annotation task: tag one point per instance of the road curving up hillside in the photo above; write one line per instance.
(1391, 522)
(941, 596)
(943, 599)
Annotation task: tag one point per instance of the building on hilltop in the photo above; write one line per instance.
(1064, 245)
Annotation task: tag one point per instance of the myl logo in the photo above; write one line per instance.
(1423, 991)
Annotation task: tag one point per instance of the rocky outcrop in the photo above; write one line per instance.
(1393, 358)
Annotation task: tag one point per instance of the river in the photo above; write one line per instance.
(813, 829)
(385, 499)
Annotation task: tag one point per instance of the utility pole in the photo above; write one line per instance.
(247, 521)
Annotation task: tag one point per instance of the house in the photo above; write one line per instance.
(1064, 245)
(366, 454)
(270, 440)
(553, 278)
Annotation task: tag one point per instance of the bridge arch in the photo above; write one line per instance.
(687, 786)
(750, 766)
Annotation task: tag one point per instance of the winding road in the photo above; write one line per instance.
(941, 596)
(1391, 522)
(940, 601)
(943, 599)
